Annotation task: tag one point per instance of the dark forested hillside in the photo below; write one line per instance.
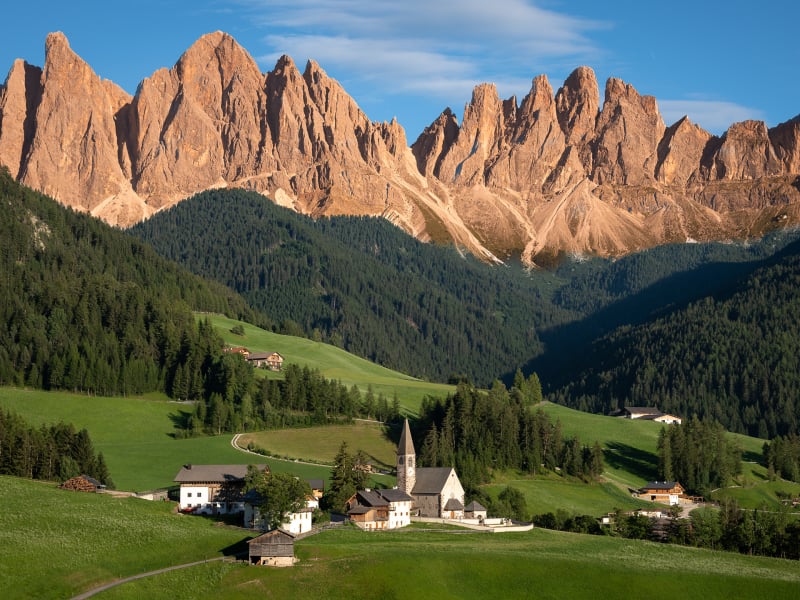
(86, 307)
(362, 284)
(733, 356)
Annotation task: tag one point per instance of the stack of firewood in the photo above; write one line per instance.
(79, 484)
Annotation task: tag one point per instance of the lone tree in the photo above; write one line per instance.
(349, 474)
(281, 494)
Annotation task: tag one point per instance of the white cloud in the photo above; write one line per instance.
(714, 116)
(441, 47)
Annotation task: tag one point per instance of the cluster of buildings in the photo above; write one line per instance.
(425, 492)
(219, 490)
(267, 360)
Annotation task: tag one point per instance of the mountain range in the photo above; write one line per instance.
(558, 172)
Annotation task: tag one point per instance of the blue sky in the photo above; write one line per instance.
(716, 61)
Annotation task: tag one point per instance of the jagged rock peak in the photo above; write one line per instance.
(577, 105)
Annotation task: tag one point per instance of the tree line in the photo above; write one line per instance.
(51, 452)
(237, 400)
(782, 457)
(478, 432)
(761, 532)
(699, 454)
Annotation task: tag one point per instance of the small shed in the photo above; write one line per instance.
(273, 549)
(474, 510)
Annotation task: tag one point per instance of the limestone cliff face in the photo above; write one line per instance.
(556, 172)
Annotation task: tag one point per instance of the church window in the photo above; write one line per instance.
(400, 460)
(410, 461)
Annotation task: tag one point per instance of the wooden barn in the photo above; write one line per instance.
(273, 549)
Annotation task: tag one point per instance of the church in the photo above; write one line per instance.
(437, 491)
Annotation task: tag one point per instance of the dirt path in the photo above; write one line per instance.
(107, 586)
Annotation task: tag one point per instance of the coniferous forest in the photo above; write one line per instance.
(87, 308)
(696, 329)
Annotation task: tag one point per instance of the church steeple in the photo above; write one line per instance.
(406, 459)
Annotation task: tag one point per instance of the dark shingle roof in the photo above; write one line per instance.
(213, 473)
(395, 495)
(660, 485)
(454, 504)
(431, 480)
(371, 498)
(474, 507)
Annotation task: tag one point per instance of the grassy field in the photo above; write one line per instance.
(135, 436)
(415, 563)
(320, 444)
(333, 363)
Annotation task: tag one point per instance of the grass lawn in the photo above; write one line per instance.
(321, 444)
(415, 563)
(334, 363)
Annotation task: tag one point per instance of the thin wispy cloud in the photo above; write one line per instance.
(443, 48)
(439, 50)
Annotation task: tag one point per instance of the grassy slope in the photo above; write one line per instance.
(134, 436)
(427, 564)
(66, 542)
(333, 362)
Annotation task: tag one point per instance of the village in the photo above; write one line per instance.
(422, 494)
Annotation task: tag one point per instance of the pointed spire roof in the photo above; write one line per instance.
(406, 445)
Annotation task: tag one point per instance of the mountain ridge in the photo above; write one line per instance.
(560, 172)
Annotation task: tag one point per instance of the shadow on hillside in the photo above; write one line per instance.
(568, 347)
(240, 549)
(180, 421)
(753, 457)
(635, 461)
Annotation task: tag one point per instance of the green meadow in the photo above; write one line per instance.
(67, 543)
(136, 438)
(334, 363)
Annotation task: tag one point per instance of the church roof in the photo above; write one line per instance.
(431, 480)
(406, 445)
(475, 506)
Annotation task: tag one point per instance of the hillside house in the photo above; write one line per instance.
(267, 360)
(437, 491)
(380, 509)
(664, 492)
(212, 489)
(274, 548)
(647, 413)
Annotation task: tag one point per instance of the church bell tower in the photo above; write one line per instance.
(406, 459)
